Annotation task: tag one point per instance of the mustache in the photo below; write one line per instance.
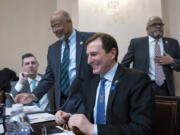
(157, 33)
(61, 38)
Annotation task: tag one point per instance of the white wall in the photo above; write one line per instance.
(124, 19)
(171, 12)
(24, 27)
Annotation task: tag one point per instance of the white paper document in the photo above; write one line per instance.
(65, 132)
(40, 117)
(27, 109)
(1, 129)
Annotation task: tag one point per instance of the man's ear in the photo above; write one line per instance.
(114, 52)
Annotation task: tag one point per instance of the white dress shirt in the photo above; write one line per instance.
(152, 43)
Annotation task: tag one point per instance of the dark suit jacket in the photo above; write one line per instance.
(130, 106)
(25, 89)
(138, 53)
(52, 75)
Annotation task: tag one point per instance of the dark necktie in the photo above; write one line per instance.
(65, 70)
(100, 117)
(158, 68)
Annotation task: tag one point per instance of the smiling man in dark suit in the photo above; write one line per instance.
(65, 59)
(143, 53)
(117, 100)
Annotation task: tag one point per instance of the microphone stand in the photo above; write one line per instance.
(73, 89)
(4, 124)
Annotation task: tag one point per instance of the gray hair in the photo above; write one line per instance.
(150, 19)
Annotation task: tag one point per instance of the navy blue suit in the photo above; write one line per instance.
(52, 75)
(130, 108)
(138, 53)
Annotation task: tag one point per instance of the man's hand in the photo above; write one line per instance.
(82, 123)
(23, 76)
(25, 98)
(62, 117)
(164, 60)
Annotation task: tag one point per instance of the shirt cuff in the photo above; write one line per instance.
(95, 132)
(18, 87)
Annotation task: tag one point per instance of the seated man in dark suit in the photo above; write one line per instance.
(28, 80)
(117, 100)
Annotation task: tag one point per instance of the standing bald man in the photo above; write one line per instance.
(62, 27)
(143, 53)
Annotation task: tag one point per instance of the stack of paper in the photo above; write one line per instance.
(27, 109)
(41, 117)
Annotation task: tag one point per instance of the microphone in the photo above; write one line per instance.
(74, 88)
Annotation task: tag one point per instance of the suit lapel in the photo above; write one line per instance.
(114, 87)
(166, 48)
(146, 54)
(92, 96)
(26, 87)
(79, 48)
(57, 54)
(165, 44)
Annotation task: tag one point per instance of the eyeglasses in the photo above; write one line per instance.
(156, 24)
(57, 26)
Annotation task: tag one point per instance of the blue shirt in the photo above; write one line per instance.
(72, 47)
(109, 76)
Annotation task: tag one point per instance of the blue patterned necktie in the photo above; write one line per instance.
(100, 117)
(158, 68)
(65, 70)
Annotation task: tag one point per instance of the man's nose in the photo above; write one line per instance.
(89, 60)
(31, 64)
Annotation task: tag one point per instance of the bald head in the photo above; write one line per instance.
(61, 14)
(61, 24)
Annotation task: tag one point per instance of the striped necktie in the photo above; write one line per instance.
(65, 70)
(158, 68)
(100, 117)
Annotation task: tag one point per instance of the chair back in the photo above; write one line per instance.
(167, 115)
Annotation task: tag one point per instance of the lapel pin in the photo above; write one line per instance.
(166, 42)
(81, 43)
(114, 85)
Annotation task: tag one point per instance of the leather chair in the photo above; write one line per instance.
(167, 115)
(2, 97)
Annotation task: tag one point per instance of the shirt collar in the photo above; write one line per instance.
(37, 78)
(73, 34)
(152, 40)
(110, 74)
